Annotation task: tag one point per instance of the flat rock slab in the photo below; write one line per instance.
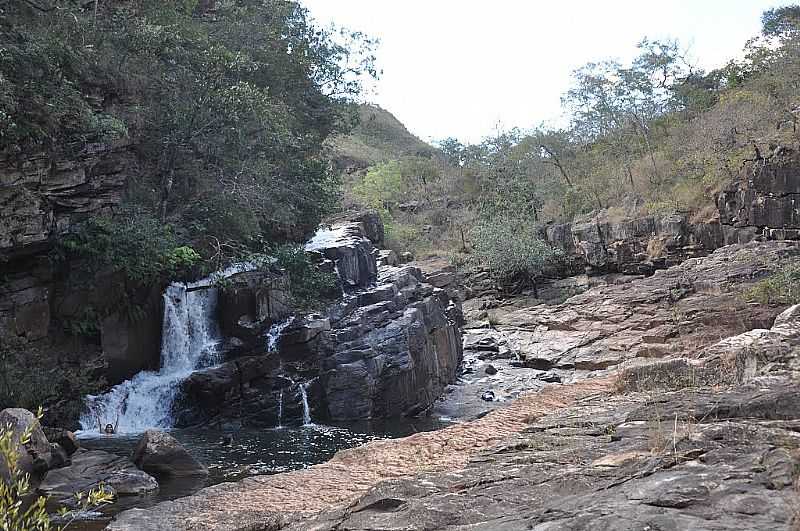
(268, 502)
(602, 465)
(90, 469)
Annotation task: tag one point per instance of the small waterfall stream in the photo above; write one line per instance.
(306, 409)
(190, 341)
(280, 409)
(275, 332)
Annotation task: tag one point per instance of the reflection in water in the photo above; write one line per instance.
(254, 452)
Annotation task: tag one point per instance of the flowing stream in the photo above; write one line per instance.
(190, 341)
(306, 409)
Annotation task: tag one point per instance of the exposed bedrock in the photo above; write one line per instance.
(41, 199)
(388, 348)
(667, 401)
(675, 312)
(762, 203)
(766, 196)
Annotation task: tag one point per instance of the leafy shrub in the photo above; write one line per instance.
(134, 243)
(512, 250)
(222, 219)
(17, 511)
(782, 287)
(308, 284)
(381, 188)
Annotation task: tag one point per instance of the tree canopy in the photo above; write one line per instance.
(226, 105)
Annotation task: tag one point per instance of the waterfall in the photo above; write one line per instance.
(280, 409)
(306, 409)
(190, 341)
(275, 333)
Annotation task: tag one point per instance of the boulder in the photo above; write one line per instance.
(64, 438)
(161, 455)
(34, 455)
(58, 457)
(90, 469)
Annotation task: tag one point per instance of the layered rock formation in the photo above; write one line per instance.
(389, 348)
(638, 246)
(676, 410)
(766, 198)
(41, 198)
(762, 203)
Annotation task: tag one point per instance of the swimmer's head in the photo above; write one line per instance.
(109, 429)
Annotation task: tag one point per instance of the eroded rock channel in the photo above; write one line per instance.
(662, 402)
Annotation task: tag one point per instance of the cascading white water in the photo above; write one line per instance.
(190, 341)
(306, 409)
(275, 333)
(280, 409)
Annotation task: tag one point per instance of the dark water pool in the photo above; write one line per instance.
(253, 452)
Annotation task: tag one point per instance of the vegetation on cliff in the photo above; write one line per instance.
(225, 105)
(650, 137)
(213, 116)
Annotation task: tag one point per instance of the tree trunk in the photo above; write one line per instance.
(165, 193)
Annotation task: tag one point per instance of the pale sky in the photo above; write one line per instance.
(462, 67)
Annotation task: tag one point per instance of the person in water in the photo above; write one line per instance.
(109, 430)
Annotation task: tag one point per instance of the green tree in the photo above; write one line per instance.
(511, 248)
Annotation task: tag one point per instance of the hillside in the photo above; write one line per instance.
(377, 137)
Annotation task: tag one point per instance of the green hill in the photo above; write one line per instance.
(379, 137)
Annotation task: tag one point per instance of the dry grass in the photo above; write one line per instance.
(656, 248)
(664, 375)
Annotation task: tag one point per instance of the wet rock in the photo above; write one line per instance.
(159, 454)
(34, 455)
(488, 396)
(251, 302)
(388, 348)
(347, 246)
(58, 457)
(391, 357)
(64, 438)
(89, 469)
(490, 370)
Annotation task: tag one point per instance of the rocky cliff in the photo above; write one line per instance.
(664, 402)
(388, 348)
(41, 198)
(766, 198)
(44, 310)
(762, 203)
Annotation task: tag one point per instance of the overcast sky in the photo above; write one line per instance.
(462, 67)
